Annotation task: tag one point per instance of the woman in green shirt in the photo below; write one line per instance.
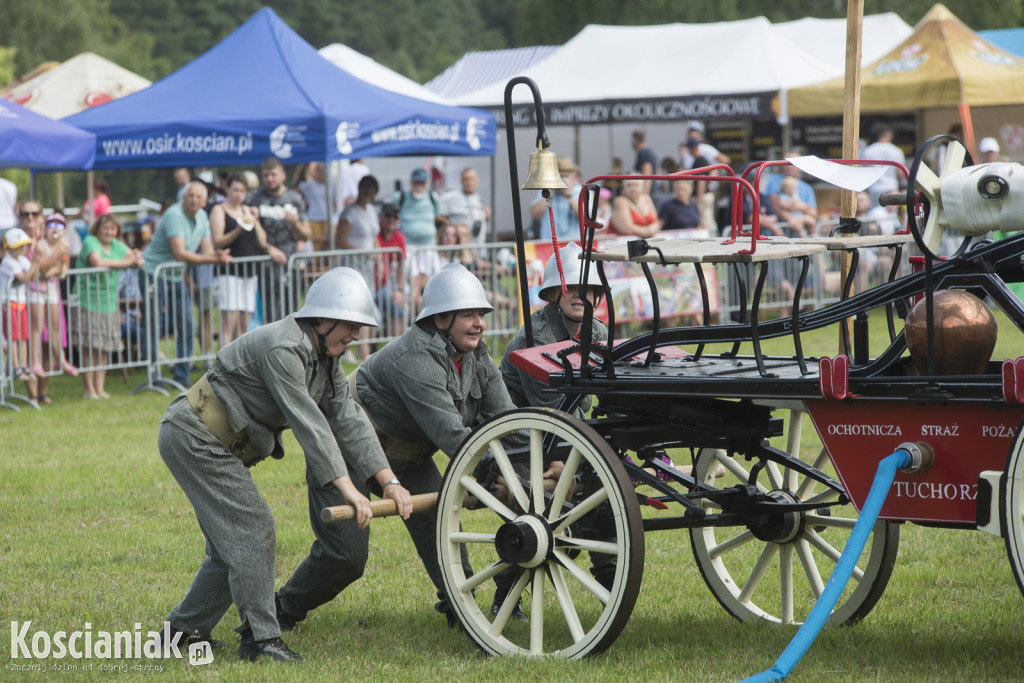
(98, 323)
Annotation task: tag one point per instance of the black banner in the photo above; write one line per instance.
(701, 107)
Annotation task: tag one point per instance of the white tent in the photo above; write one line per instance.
(375, 73)
(84, 81)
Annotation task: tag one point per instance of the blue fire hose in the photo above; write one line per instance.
(907, 457)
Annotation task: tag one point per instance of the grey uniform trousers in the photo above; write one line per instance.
(239, 531)
(338, 555)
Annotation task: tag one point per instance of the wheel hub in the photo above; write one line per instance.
(525, 541)
(782, 527)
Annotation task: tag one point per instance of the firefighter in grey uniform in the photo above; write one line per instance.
(278, 376)
(561, 319)
(427, 389)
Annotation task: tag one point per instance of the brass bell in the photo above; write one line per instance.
(543, 174)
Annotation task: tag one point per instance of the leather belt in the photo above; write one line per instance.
(212, 412)
(397, 449)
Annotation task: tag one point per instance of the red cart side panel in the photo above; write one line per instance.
(967, 439)
(535, 362)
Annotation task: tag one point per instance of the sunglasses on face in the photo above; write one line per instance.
(29, 214)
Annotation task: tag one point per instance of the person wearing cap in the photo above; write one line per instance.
(284, 375)
(418, 209)
(988, 148)
(426, 390)
(560, 319)
(564, 204)
(389, 293)
(16, 272)
(694, 146)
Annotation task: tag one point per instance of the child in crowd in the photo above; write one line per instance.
(16, 271)
(792, 209)
(46, 318)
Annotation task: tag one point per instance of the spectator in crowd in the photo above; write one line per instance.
(988, 148)
(464, 205)
(389, 292)
(883, 149)
(97, 322)
(426, 263)
(314, 191)
(564, 203)
(99, 205)
(50, 262)
(604, 206)
(16, 271)
(418, 208)
(646, 160)
(182, 236)
(182, 177)
(633, 212)
(8, 205)
(662, 190)
(236, 227)
(803, 192)
(357, 230)
(795, 212)
(687, 153)
(426, 390)
(282, 214)
(680, 212)
(48, 312)
(348, 177)
(283, 375)
(559, 320)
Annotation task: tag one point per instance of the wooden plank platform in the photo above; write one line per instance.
(847, 242)
(712, 250)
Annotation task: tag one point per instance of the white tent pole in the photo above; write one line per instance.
(330, 209)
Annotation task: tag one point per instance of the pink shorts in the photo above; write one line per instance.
(16, 321)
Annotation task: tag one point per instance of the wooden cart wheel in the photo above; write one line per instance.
(923, 191)
(541, 534)
(777, 569)
(1012, 504)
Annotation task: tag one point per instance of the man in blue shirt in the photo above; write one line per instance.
(564, 203)
(181, 236)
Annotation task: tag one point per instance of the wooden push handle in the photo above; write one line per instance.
(381, 508)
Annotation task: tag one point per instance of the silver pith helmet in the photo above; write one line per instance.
(340, 294)
(572, 266)
(453, 288)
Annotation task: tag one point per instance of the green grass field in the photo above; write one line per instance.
(95, 530)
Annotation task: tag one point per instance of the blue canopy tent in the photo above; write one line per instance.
(34, 141)
(265, 91)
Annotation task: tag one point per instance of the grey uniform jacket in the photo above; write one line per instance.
(548, 328)
(413, 392)
(272, 378)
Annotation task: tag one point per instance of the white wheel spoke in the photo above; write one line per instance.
(932, 230)
(774, 475)
(803, 550)
(786, 583)
(564, 484)
(474, 581)
(585, 506)
(823, 498)
(796, 425)
(587, 544)
(537, 469)
(769, 552)
(572, 619)
(485, 497)
(470, 537)
(537, 614)
(826, 520)
(830, 551)
(509, 606)
(808, 485)
(515, 487)
(731, 544)
(584, 577)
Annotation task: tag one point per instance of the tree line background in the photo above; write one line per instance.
(153, 38)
